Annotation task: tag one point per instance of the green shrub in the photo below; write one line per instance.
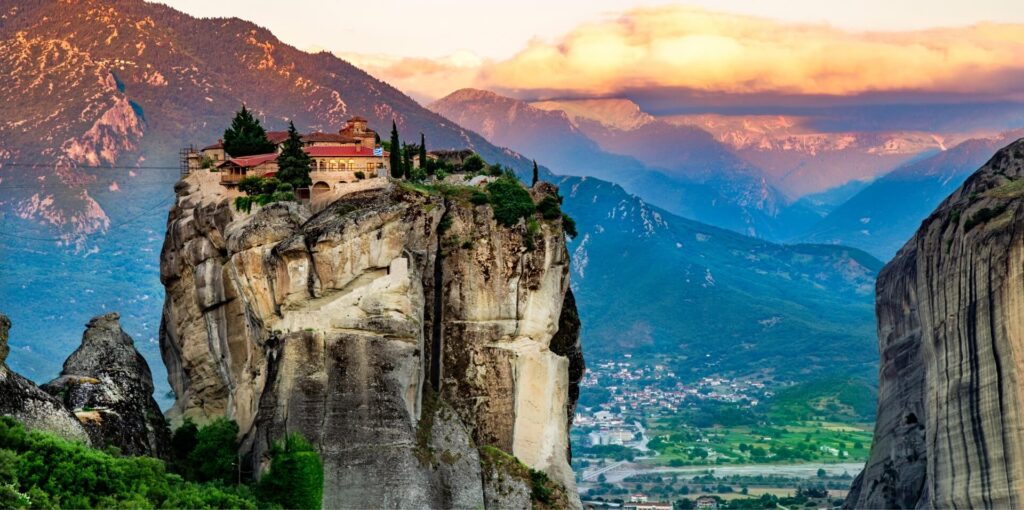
(417, 175)
(496, 170)
(251, 185)
(55, 473)
(360, 175)
(269, 185)
(296, 475)
(569, 226)
(983, 215)
(549, 208)
(510, 200)
(473, 164)
(478, 197)
(243, 204)
(541, 490)
(215, 457)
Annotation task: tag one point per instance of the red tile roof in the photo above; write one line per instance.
(277, 137)
(218, 145)
(251, 161)
(357, 119)
(340, 151)
(328, 137)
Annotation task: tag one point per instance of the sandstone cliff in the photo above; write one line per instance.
(396, 329)
(950, 311)
(109, 387)
(30, 405)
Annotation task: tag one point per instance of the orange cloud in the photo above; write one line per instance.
(707, 51)
(713, 52)
(422, 78)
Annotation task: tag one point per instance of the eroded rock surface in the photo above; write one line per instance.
(25, 402)
(951, 333)
(345, 325)
(109, 387)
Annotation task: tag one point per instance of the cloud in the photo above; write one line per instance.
(724, 53)
(424, 79)
(688, 48)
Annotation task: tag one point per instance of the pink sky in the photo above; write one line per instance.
(603, 47)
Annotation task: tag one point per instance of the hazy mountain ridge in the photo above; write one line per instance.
(682, 169)
(881, 217)
(658, 284)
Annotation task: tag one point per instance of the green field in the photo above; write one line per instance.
(824, 421)
(817, 441)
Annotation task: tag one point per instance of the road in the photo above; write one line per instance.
(589, 476)
(620, 470)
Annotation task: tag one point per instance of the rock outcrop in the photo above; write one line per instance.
(950, 323)
(398, 330)
(22, 400)
(109, 387)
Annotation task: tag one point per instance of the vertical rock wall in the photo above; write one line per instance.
(951, 332)
(340, 325)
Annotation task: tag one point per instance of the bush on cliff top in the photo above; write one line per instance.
(510, 200)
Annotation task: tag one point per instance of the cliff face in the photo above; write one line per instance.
(109, 387)
(28, 404)
(103, 397)
(950, 331)
(397, 330)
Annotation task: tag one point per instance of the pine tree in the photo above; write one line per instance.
(294, 163)
(396, 153)
(423, 151)
(246, 136)
(535, 174)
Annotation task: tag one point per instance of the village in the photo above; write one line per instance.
(619, 393)
(647, 437)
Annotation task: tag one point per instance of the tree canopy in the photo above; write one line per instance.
(294, 163)
(246, 136)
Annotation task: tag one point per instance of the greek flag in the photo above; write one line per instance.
(378, 151)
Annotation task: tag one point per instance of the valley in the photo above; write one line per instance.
(638, 422)
(724, 301)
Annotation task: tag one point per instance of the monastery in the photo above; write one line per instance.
(350, 155)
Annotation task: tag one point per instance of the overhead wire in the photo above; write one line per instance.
(126, 221)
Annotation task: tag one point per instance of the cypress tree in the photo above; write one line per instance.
(535, 174)
(246, 136)
(423, 151)
(406, 161)
(294, 163)
(395, 157)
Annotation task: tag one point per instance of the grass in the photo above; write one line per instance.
(1012, 189)
(795, 442)
(799, 424)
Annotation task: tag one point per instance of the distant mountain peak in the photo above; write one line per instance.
(618, 113)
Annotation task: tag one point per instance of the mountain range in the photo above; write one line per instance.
(680, 168)
(705, 298)
(795, 177)
(881, 217)
(84, 195)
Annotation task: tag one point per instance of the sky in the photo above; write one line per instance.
(952, 49)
